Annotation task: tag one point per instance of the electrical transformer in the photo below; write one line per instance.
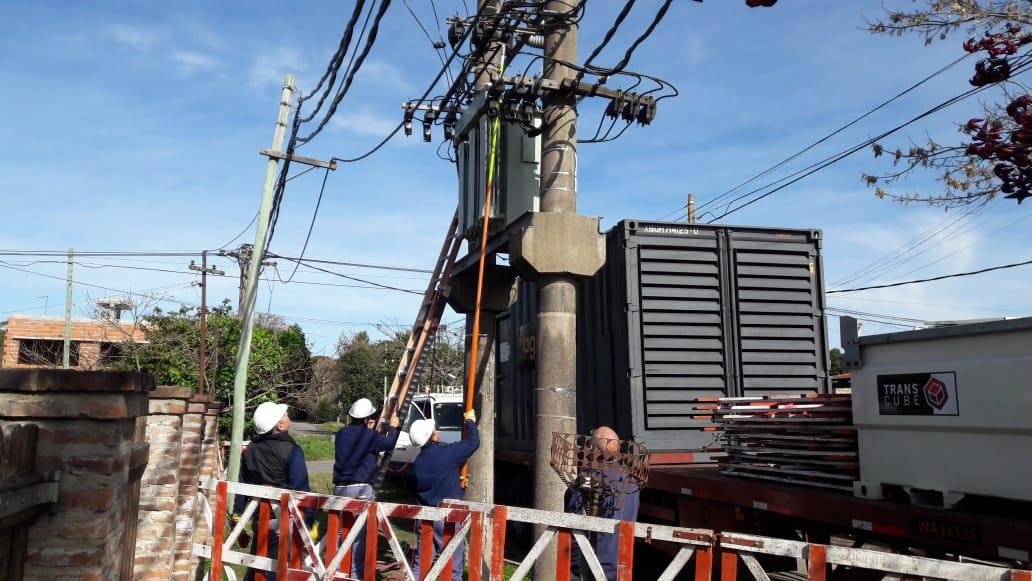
(517, 177)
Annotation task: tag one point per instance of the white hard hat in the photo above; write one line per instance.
(267, 415)
(421, 431)
(362, 408)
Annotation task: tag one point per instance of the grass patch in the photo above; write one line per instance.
(316, 447)
(321, 482)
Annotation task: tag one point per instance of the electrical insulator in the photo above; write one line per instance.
(407, 123)
(535, 40)
(449, 131)
(426, 131)
(455, 33)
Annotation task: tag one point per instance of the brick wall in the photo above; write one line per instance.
(91, 429)
(89, 333)
(181, 431)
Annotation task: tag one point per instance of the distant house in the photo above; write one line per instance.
(38, 341)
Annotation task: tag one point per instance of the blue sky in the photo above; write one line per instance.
(136, 125)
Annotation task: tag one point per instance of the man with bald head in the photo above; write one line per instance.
(606, 440)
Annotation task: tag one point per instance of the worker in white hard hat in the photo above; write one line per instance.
(272, 458)
(435, 476)
(357, 448)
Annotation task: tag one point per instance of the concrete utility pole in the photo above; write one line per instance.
(243, 257)
(556, 397)
(251, 288)
(205, 271)
(691, 208)
(66, 357)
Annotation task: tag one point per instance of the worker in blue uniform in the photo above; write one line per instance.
(605, 439)
(272, 458)
(435, 477)
(357, 448)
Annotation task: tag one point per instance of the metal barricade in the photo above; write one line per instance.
(715, 556)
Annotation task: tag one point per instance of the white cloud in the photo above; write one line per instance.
(196, 55)
(384, 74)
(136, 37)
(270, 67)
(364, 122)
(190, 61)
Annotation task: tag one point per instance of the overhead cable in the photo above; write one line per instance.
(935, 278)
(867, 114)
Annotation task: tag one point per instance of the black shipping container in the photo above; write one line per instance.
(678, 313)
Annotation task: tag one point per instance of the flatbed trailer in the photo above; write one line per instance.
(699, 495)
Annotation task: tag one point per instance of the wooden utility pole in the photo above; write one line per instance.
(691, 208)
(66, 356)
(205, 271)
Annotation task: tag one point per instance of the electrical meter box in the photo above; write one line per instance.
(943, 413)
(517, 178)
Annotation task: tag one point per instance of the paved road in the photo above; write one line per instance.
(308, 429)
(320, 466)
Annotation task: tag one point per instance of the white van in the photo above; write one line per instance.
(445, 409)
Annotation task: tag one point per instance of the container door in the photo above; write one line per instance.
(676, 305)
(779, 306)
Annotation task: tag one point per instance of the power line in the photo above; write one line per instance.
(178, 253)
(832, 134)
(429, 89)
(906, 251)
(355, 264)
(814, 168)
(81, 283)
(620, 17)
(874, 321)
(311, 226)
(356, 279)
(876, 315)
(943, 277)
(248, 227)
(349, 79)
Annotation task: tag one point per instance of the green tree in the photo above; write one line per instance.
(363, 364)
(990, 161)
(838, 364)
(280, 364)
(361, 368)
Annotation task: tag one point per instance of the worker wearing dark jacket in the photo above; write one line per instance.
(435, 476)
(357, 448)
(606, 544)
(272, 459)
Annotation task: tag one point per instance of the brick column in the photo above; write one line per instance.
(188, 516)
(91, 428)
(159, 493)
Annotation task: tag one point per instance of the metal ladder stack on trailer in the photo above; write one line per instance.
(421, 340)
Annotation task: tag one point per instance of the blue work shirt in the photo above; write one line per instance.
(357, 448)
(607, 544)
(435, 472)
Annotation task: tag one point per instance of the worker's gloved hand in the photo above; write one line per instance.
(395, 421)
(315, 532)
(235, 518)
(470, 416)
